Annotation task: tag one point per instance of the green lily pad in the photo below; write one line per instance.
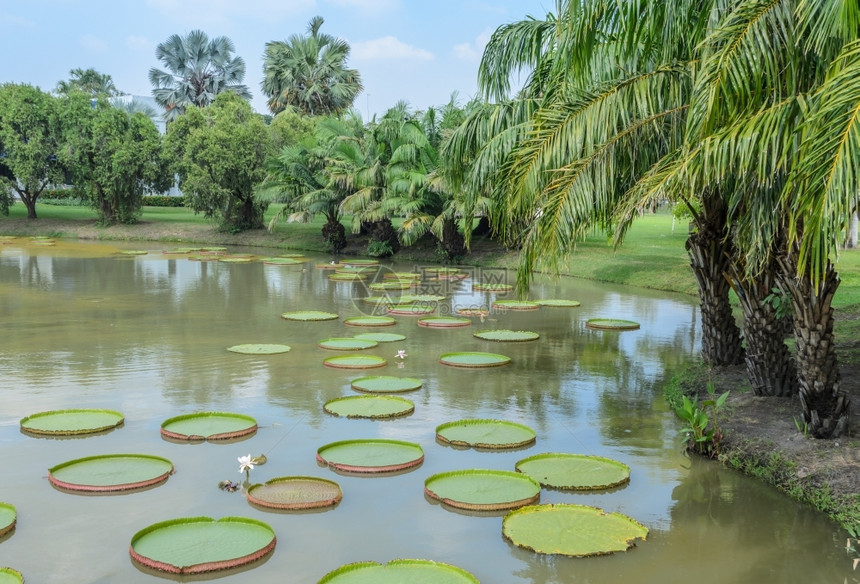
(235, 259)
(575, 471)
(481, 433)
(443, 322)
(110, 473)
(354, 361)
(196, 545)
(369, 406)
(359, 262)
(259, 349)
(10, 576)
(346, 344)
(482, 490)
(506, 335)
(381, 337)
(571, 530)
(516, 305)
(339, 276)
(309, 315)
(411, 309)
(615, 324)
(370, 321)
(295, 493)
(401, 276)
(386, 384)
(473, 311)
(328, 266)
(8, 518)
(474, 359)
(492, 287)
(398, 572)
(382, 300)
(558, 303)
(424, 298)
(371, 456)
(441, 270)
(133, 252)
(71, 422)
(393, 285)
(280, 261)
(208, 426)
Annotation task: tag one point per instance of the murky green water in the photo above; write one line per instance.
(147, 335)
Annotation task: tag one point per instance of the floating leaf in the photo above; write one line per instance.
(443, 322)
(8, 518)
(309, 315)
(346, 344)
(369, 406)
(393, 285)
(506, 335)
(386, 384)
(401, 276)
(411, 309)
(71, 422)
(482, 490)
(474, 359)
(381, 337)
(612, 324)
(371, 456)
(294, 493)
(10, 576)
(575, 471)
(360, 262)
(398, 572)
(370, 321)
(133, 252)
(492, 287)
(571, 530)
(259, 349)
(279, 261)
(474, 311)
(558, 303)
(354, 361)
(339, 276)
(483, 433)
(110, 473)
(196, 545)
(516, 305)
(208, 426)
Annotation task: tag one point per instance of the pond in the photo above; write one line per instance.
(147, 335)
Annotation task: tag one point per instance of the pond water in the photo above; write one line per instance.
(86, 327)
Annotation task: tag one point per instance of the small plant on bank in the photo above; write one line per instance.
(702, 433)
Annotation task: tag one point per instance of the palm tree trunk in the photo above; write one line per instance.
(770, 366)
(825, 405)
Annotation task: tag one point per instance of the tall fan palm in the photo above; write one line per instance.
(198, 69)
(310, 73)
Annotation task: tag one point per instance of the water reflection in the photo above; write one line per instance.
(147, 335)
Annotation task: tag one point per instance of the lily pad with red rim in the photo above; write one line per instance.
(443, 322)
(196, 545)
(482, 490)
(410, 309)
(558, 302)
(346, 344)
(371, 456)
(110, 473)
(359, 262)
(281, 261)
(355, 361)
(339, 276)
(386, 384)
(10, 576)
(401, 276)
(393, 285)
(502, 335)
(259, 349)
(71, 422)
(370, 321)
(381, 337)
(309, 315)
(485, 433)
(8, 518)
(399, 571)
(492, 287)
(516, 305)
(614, 324)
(473, 359)
(473, 311)
(208, 426)
(571, 530)
(575, 471)
(295, 493)
(369, 406)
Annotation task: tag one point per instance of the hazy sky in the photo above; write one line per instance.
(419, 51)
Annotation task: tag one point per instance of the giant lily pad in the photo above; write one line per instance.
(411, 309)
(340, 276)
(208, 426)
(425, 298)
(482, 490)
(473, 359)
(281, 261)
(515, 305)
(309, 315)
(294, 493)
(369, 406)
(401, 276)
(492, 287)
(355, 362)
(571, 530)
(575, 471)
(399, 571)
(370, 321)
(615, 324)
(371, 456)
(473, 311)
(196, 545)
(259, 349)
(381, 337)
(485, 434)
(558, 303)
(8, 518)
(10, 576)
(386, 384)
(71, 422)
(346, 344)
(393, 285)
(110, 473)
(506, 335)
(382, 300)
(443, 321)
(359, 263)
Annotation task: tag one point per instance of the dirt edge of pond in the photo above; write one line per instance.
(761, 437)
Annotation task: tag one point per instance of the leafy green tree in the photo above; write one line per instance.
(112, 156)
(219, 153)
(30, 135)
(90, 82)
(290, 127)
(310, 73)
(197, 70)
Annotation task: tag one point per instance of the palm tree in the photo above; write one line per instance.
(198, 69)
(89, 81)
(310, 73)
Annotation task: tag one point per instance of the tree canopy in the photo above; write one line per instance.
(88, 81)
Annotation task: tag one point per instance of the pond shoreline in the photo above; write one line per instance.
(761, 438)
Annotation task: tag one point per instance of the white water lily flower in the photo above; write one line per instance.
(245, 463)
(401, 354)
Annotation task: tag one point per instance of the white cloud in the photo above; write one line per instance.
(388, 48)
(472, 52)
(94, 43)
(138, 43)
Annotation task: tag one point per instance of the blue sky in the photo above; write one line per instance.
(415, 50)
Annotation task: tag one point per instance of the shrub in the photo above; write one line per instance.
(163, 201)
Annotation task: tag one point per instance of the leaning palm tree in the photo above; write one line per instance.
(310, 73)
(197, 69)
